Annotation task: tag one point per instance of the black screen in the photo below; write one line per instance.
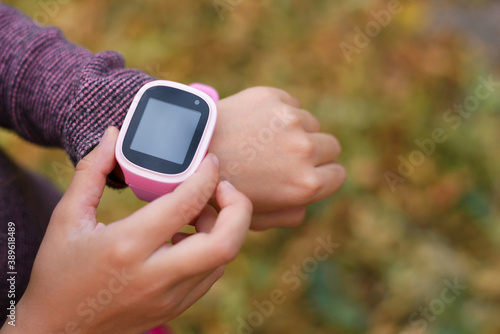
(166, 130)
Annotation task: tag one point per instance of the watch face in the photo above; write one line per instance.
(166, 129)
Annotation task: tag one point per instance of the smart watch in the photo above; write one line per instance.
(165, 136)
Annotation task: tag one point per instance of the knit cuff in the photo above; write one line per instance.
(105, 92)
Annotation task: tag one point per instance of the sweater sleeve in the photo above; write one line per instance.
(55, 93)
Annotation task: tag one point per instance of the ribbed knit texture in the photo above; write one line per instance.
(52, 93)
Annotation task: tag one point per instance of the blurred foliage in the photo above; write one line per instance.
(397, 248)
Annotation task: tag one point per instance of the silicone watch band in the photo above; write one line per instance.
(156, 190)
(209, 90)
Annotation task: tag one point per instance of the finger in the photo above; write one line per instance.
(203, 224)
(332, 177)
(203, 252)
(292, 217)
(155, 223)
(200, 290)
(308, 121)
(184, 286)
(326, 148)
(289, 99)
(206, 221)
(85, 190)
(178, 237)
(174, 291)
(284, 96)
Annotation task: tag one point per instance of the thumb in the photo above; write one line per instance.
(85, 190)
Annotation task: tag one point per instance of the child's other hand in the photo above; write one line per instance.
(127, 277)
(274, 153)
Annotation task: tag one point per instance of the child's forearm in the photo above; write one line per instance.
(55, 93)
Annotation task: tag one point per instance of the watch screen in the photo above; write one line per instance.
(165, 131)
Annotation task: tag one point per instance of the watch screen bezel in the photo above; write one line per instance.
(177, 97)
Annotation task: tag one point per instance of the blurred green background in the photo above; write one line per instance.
(399, 247)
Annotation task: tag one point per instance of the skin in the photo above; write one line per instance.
(268, 147)
(162, 279)
(274, 152)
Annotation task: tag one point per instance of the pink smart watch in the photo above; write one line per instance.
(165, 136)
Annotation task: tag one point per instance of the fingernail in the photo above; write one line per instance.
(340, 168)
(215, 159)
(106, 133)
(228, 185)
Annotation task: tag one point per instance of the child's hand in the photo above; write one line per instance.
(274, 153)
(127, 277)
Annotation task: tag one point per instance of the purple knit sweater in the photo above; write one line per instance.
(52, 93)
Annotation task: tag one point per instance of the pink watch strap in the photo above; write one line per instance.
(160, 330)
(209, 90)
